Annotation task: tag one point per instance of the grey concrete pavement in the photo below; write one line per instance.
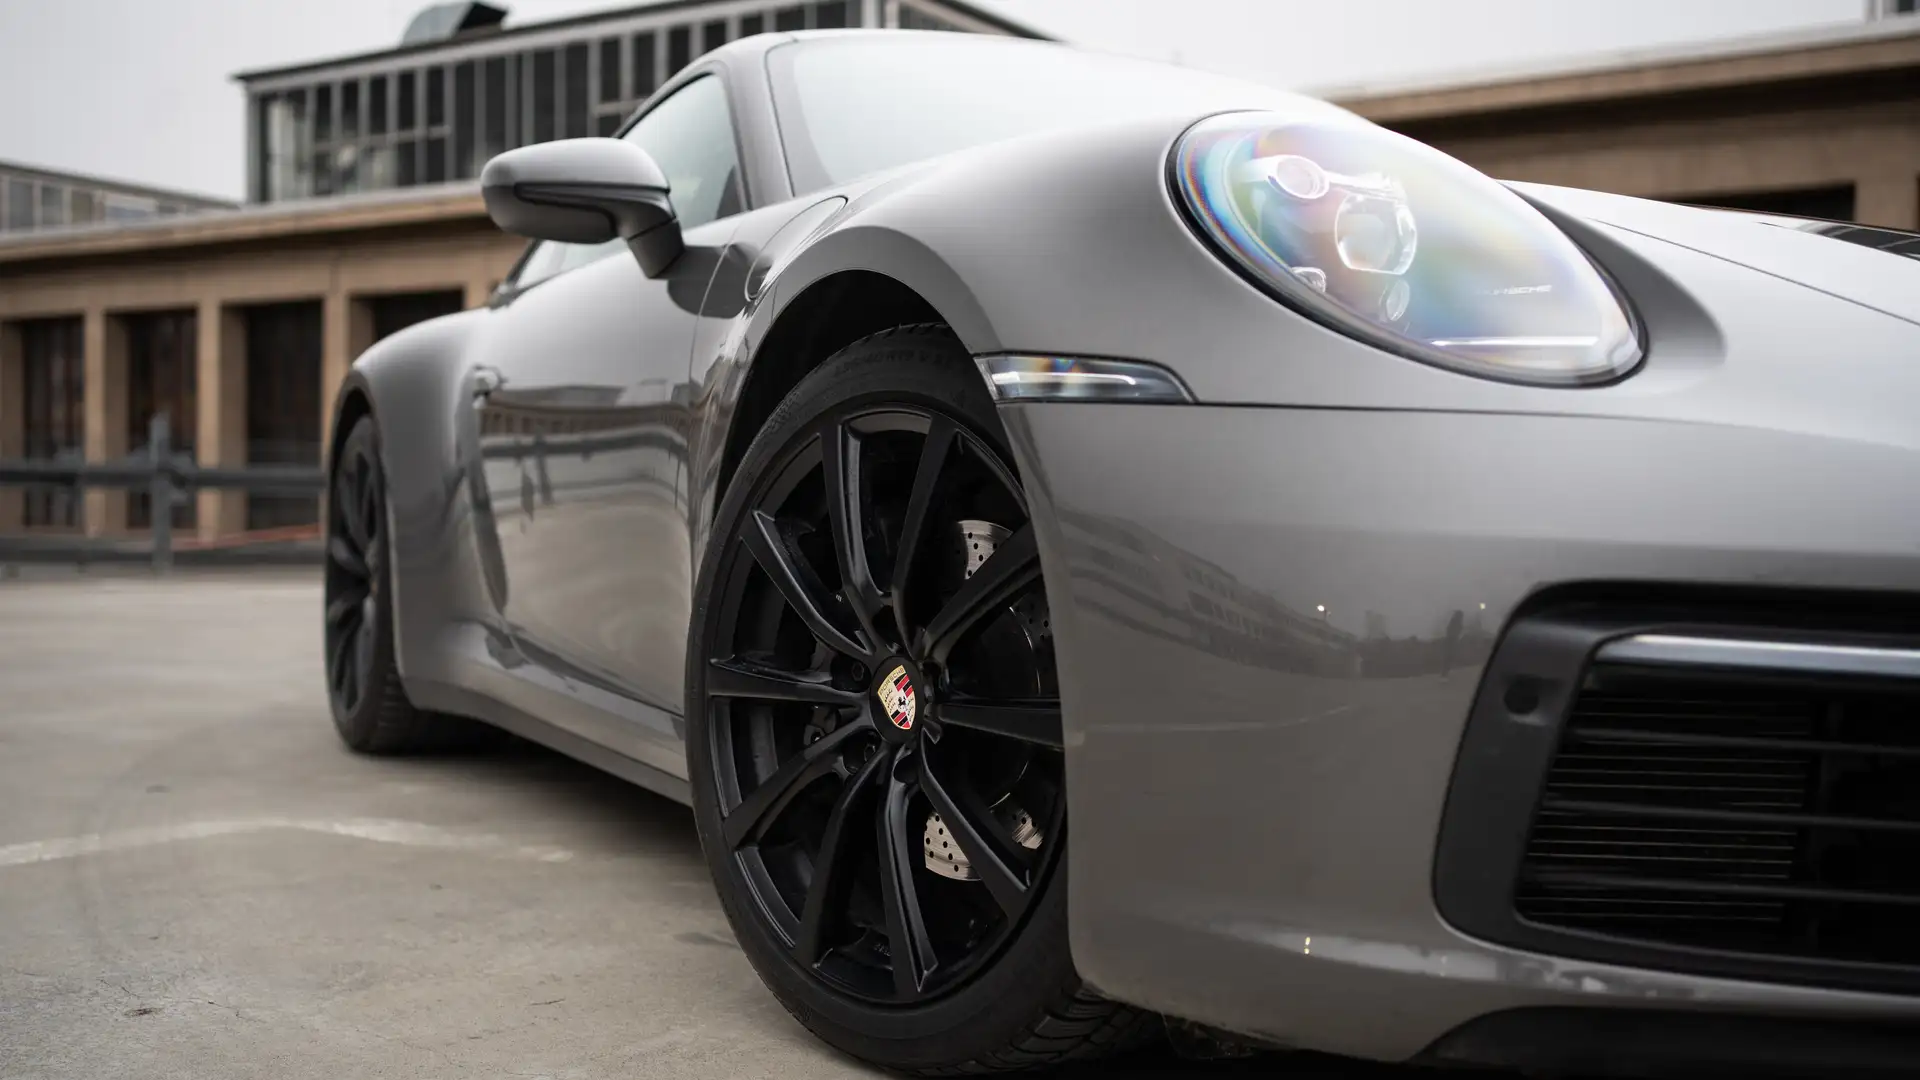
(196, 879)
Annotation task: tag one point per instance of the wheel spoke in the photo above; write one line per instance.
(1034, 720)
(840, 468)
(1013, 566)
(763, 805)
(832, 866)
(348, 500)
(911, 946)
(370, 507)
(343, 652)
(743, 678)
(972, 826)
(992, 463)
(363, 658)
(933, 460)
(346, 605)
(346, 558)
(797, 583)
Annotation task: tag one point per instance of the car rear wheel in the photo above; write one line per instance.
(874, 725)
(369, 704)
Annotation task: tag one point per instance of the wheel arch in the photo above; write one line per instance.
(828, 314)
(352, 404)
(411, 385)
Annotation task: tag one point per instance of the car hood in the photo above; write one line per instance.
(1877, 269)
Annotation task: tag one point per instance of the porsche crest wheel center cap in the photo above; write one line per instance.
(899, 700)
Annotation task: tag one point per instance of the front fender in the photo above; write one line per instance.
(418, 387)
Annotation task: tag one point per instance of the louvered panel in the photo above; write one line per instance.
(1710, 812)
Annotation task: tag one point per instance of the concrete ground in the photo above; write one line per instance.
(196, 879)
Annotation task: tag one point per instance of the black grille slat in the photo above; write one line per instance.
(1733, 811)
(1746, 889)
(1734, 742)
(1756, 817)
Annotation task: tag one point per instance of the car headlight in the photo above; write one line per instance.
(1399, 244)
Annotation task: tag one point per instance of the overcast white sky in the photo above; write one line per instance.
(140, 89)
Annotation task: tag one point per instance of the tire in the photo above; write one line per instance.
(826, 862)
(369, 704)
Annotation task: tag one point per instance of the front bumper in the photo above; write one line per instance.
(1257, 791)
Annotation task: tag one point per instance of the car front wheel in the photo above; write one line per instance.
(874, 725)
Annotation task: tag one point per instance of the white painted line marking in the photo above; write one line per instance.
(380, 831)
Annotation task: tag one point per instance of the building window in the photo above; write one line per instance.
(545, 118)
(466, 162)
(161, 377)
(54, 408)
(378, 102)
(497, 128)
(576, 79)
(86, 207)
(915, 19)
(612, 103)
(830, 16)
(262, 146)
(713, 35)
(350, 109)
(19, 204)
(323, 112)
(434, 169)
(409, 101)
(752, 24)
(436, 97)
(610, 91)
(53, 205)
(287, 166)
(646, 68)
(406, 126)
(679, 49)
(790, 18)
(283, 403)
(131, 208)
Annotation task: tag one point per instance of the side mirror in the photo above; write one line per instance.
(585, 191)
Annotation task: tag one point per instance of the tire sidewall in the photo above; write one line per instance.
(358, 726)
(925, 368)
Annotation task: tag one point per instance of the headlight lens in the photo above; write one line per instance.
(1395, 242)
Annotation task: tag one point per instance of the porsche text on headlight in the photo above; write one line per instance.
(1397, 243)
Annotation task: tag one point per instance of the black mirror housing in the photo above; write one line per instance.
(585, 191)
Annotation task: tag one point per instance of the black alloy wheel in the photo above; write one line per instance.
(875, 720)
(356, 548)
(370, 706)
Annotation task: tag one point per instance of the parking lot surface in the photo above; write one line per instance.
(196, 879)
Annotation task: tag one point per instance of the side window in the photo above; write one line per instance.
(690, 135)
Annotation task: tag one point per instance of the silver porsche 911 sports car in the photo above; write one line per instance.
(1097, 542)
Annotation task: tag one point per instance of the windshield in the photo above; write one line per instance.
(858, 105)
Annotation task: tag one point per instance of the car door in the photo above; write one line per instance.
(583, 402)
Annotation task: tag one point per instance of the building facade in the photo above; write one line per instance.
(1818, 124)
(434, 111)
(239, 325)
(34, 198)
(363, 219)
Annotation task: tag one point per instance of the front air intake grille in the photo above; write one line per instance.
(1733, 811)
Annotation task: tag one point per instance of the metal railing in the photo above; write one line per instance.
(167, 477)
